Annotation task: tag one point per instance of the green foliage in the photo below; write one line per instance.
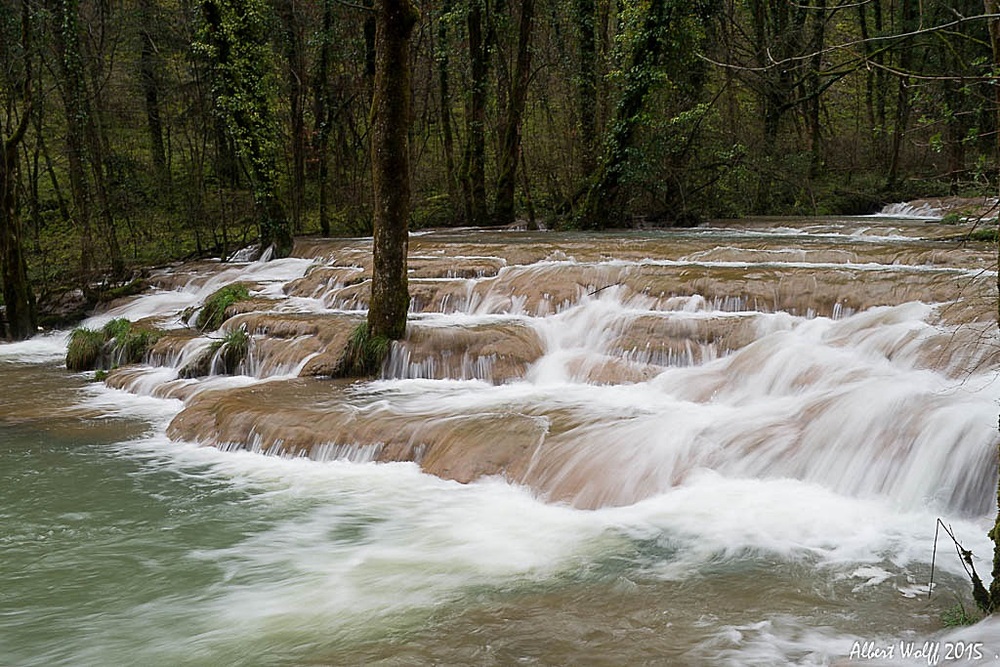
(132, 349)
(117, 328)
(234, 38)
(365, 353)
(118, 342)
(84, 351)
(984, 234)
(213, 311)
(957, 616)
(234, 348)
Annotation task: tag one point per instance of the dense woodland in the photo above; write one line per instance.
(138, 131)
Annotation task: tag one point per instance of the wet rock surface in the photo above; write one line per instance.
(551, 359)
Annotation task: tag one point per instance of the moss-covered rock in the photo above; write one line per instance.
(119, 342)
(213, 311)
(85, 349)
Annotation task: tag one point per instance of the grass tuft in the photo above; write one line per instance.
(364, 354)
(117, 342)
(957, 617)
(85, 347)
(213, 311)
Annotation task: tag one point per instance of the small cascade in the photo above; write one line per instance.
(601, 371)
(916, 210)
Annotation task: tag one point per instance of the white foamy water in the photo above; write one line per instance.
(763, 490)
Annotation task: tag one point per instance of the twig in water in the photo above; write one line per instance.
(601, 289)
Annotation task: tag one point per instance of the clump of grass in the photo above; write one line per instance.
(958, 616)
(133, 348)
(364, 354)
(984, 234)
(85, 347)
(100, 376)
(118, 342)
(233, 349)
(117, 328)
(213, 311)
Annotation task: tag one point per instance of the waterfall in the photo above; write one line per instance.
(602, 373)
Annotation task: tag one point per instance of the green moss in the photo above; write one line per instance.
(128, 289)
(213, 311)
(100, 376)
(85, 348)
(364, 354)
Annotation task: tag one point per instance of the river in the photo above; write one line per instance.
(721, 446)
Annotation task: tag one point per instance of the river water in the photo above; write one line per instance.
(721, 446)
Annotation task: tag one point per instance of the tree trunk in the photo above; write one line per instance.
(993, 7)
(910, 21)
(323, 116)
(390, 300)
(17, 293)
(585, 15)
(69, 67)
(510, 145)
(599, 209)
(235, 34)
(447, 134)
(149, 62)
(295, 54)
(474, 161)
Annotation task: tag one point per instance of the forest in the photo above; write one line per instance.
(137, 132)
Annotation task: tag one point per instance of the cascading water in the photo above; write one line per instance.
(715, 446)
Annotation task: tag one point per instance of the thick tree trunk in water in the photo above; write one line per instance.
(510, 147)
(993, 7)
(390, 299)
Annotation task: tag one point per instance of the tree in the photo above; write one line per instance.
(992, 8)
(18, 296)
(294, 43)
(150, 64)
(663, 33)
(517, 96)
(235, 40)
(78, 78)
(474, 159)
(390, 300)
